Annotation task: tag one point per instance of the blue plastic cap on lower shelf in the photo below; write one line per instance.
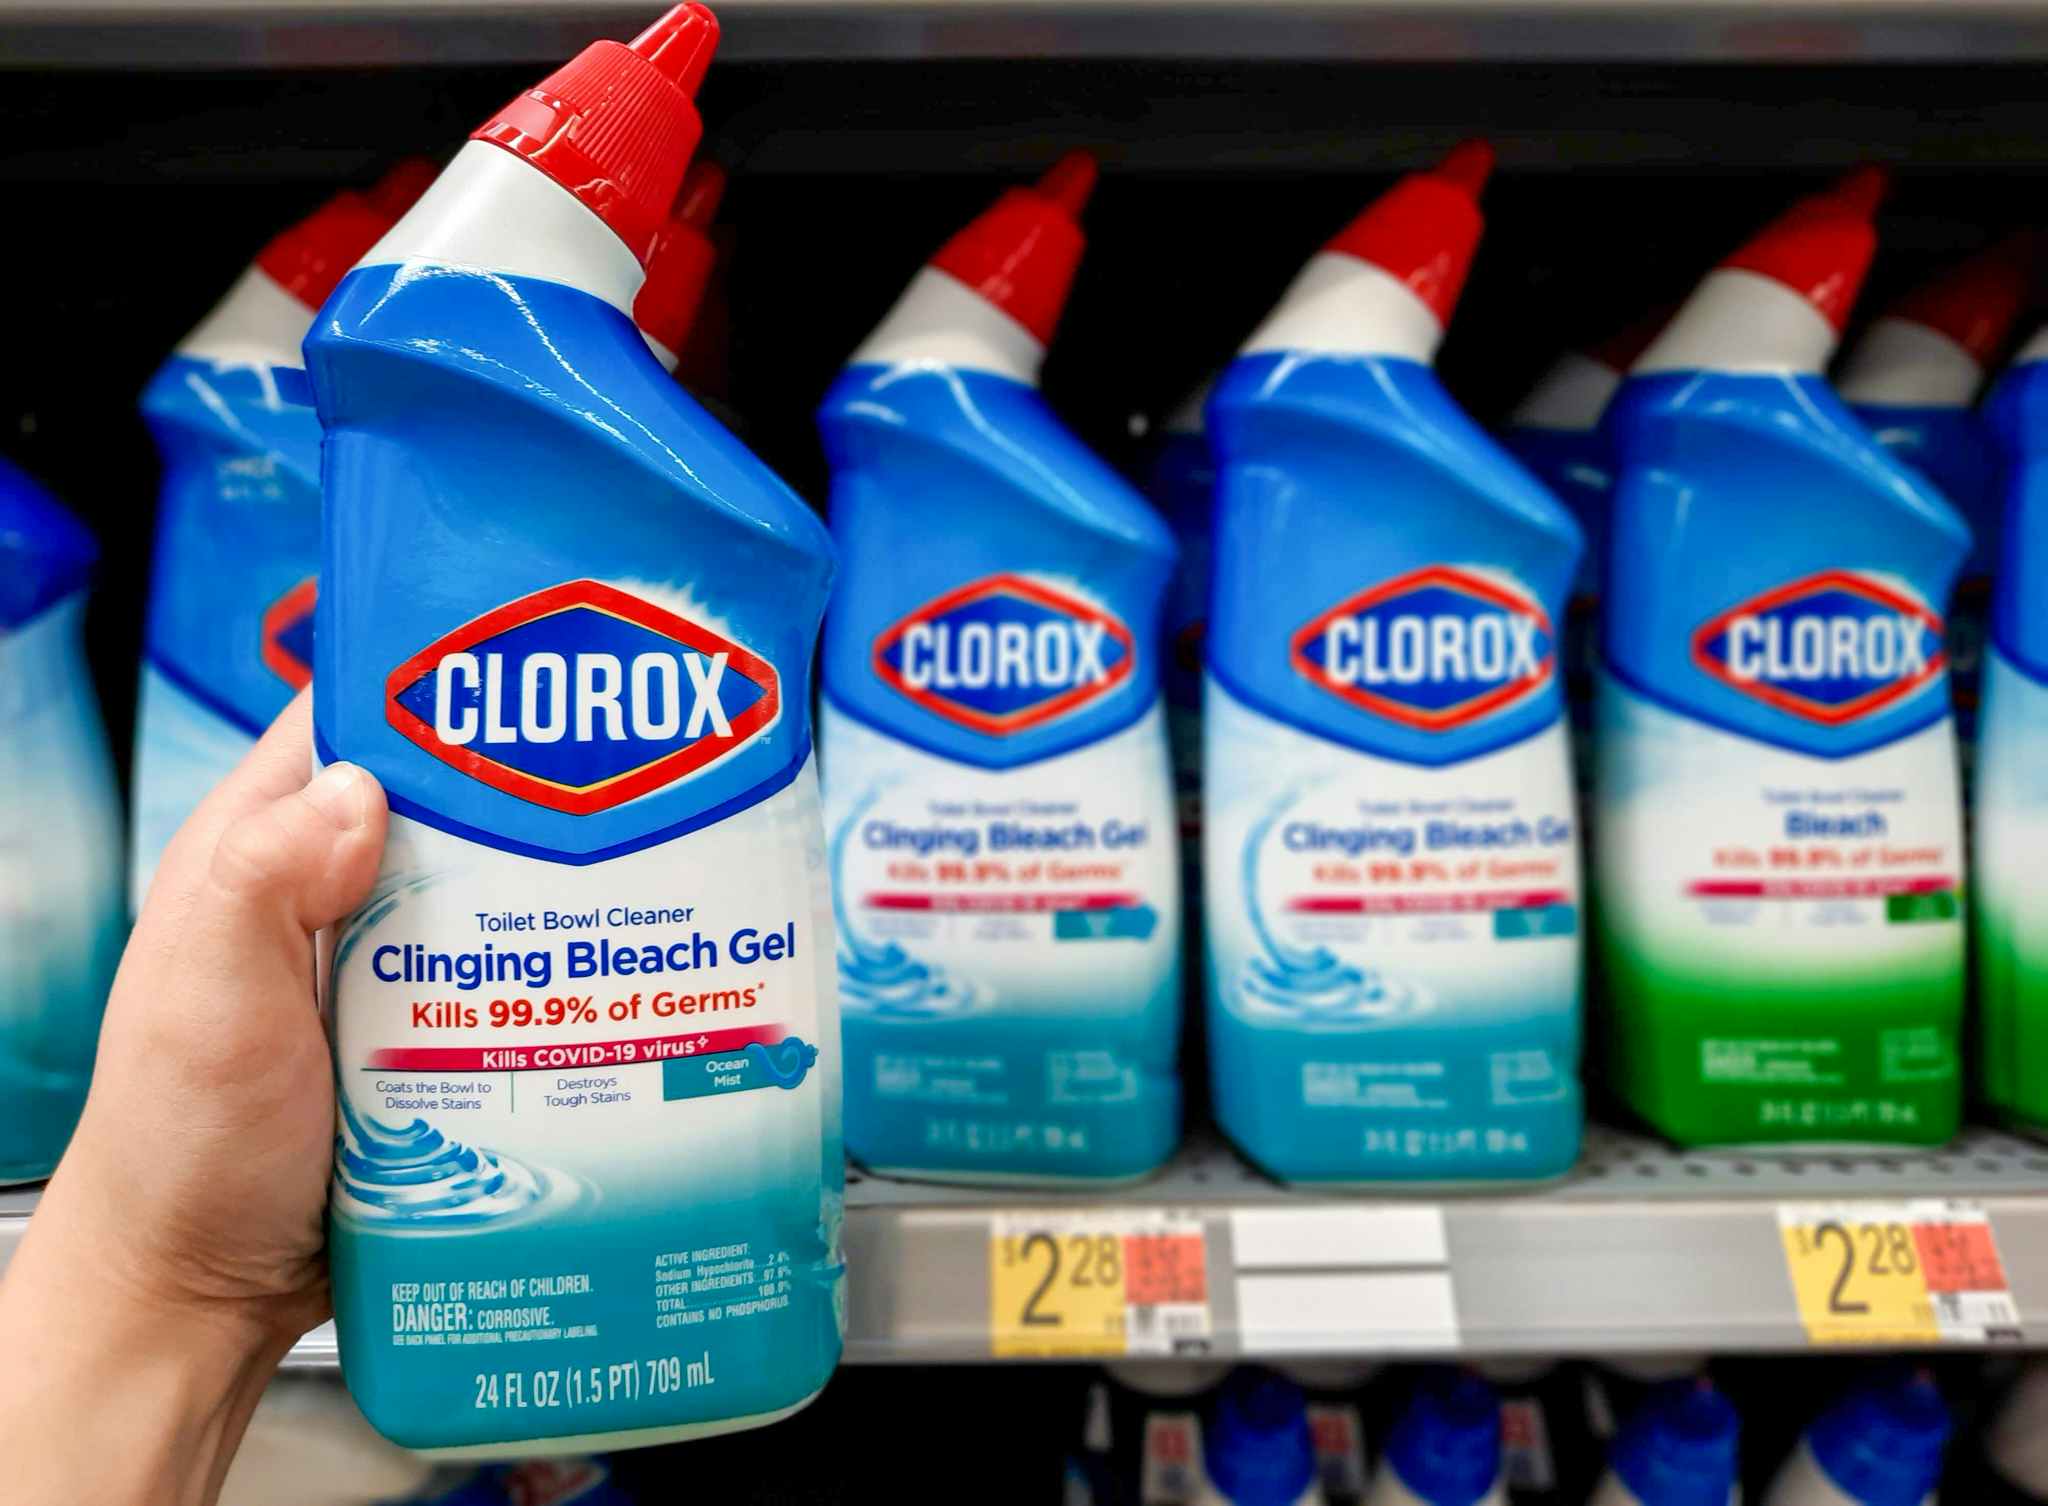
(1882, 1444)
(1679, 1449)
(1257, 1446)
(1446, 1447)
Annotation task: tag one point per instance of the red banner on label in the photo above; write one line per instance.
(1875, 886)
(1426, 903)
(572, 1054)
(1000, 902)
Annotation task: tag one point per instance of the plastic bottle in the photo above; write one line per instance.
(1335, 1391)
(228, 641)
(1556, 433)
(1779, 833)
(566, 620)
(679, 268)
(1256, 1447)
(2009, 906)
(1680, 1448)
(1879, 1446)
(1615, 1385)
(1148, 1428)
(61, 920)
(1547, 1450)
(998, 801)
(1445, 1449)
(1914, 379)
(1392, 892)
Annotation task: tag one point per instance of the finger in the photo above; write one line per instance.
(299, 861)
(278, 764)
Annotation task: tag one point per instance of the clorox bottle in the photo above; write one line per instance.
(229, 638)
(680, 265)
(1392, 891)
(588, 1180)
(1556, 433)
(998, 802)
(1445, 1447)
(1779, 835)
(1680, 1448)
(2009, 901)
(1257, 1449)
(61, 917)
(1913, 379)
(1882, 1445)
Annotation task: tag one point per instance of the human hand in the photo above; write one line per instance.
(179, 1249)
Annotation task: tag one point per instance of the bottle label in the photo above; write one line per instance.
(2010, 907)
(1394, 951)
(1009, 953)
(1783, 933)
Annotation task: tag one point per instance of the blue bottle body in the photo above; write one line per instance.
(1953, 448)
(1779, 827)
(61, 919)
(584, 1033)
(1576, 466)
(1393, 899)
(999, 805)
(229, 635)
(2009, 911)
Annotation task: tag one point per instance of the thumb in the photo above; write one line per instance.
(300, 861)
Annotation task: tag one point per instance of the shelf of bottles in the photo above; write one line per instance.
(1640, 1249)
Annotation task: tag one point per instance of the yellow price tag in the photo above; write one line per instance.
(1857, 1273)
(1094, 1283)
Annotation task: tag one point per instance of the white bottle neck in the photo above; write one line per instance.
(662, 353)
(1904, 364)
(1339, 305)
(1743, 323)
(940, 321)
(491, 211)
(1167, 1378)
(257, 323)
(1571, 396)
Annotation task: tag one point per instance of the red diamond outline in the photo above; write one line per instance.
(288, 608)
(1449, 718)
(1026, 717)
(617, 789)
(1801, 706)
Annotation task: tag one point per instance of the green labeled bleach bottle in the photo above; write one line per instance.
(1779, 835)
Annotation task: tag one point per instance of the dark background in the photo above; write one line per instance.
(136, 197)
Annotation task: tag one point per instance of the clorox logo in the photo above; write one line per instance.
(1005, 654)
(582, 697)
(1829, 648)
(1436, 649)
(288, 634)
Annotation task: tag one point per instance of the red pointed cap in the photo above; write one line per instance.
(1424, 230)
(401, 186)
(1022, 252)
(310, 259)
(616, 125)
(1977, 301)
(680, 267)
(1822, 246)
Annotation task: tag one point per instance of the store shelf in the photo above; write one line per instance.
(330, 33)
(1640, 1249)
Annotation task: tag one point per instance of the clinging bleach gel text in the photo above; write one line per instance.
(999, 808)
(588, 1179)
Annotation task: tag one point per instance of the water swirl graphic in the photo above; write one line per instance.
(1313, 980)
(390, 1174)
(881, 977)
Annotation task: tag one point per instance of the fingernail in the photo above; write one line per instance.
(337, 792)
